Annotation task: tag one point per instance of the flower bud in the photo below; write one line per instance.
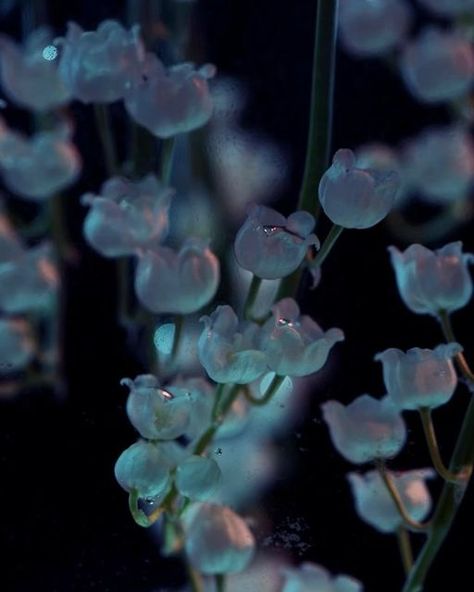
(181, 282)
(375, 505)
(198, 477)
(438, 65)
(309, 577)
(431, 281)
(356, 198)
(272, 246)
(217, 540)
(420, 377)
(366, 429)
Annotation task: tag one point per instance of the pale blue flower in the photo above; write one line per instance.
(29, 77)
(144, 468)
(173, 101)
(272, 246)
(449, 8)
(217, 540)
(127, 216)
(366, 429)
(309, 577)
(17, 345)
(98, 66)
(420, 377)
(374, 503)
(229, 352)
(198, 477)
(295, 345)
(373, 27)
(385, 159)
(353, 197)
(438, 65)
(200, 394)
(431, 281)
(168, 281)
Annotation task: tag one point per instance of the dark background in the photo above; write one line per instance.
(64, 520)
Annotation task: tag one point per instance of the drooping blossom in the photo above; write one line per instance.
(309, 577)
(197, 477)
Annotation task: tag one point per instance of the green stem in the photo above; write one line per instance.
(327, 245)
(195, 579)
(138, 515)
(166, 159)
(447, 328)
(273, 387)
(178, 333)
(251, 296)
(404, 545)
(105, 133)
(220, 582)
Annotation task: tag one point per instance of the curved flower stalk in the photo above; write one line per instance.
(356, 198)
(367, 429)
(433, 281)
(449, 8)
(127, 216)
(228, 351)
(438, 65)
(17, 345)
(375, 505)
(180, 282)
(170, 102)
(439, 163)
(99, 66)
(272, 246)
(371, 28)
(420, 378)
(218, 541)
(309, 577)
(29, 74)
(295, 345)
(35, 168)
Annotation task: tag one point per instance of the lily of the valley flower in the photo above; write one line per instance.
(127, 216)
(431, 281)
(420, 377)
(198, 477)
(309, 577)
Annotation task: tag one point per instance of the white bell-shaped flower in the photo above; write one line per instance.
(17, 345)
(272, 246)
(438, 65)
(29, 281)
(439, 163)
(353, 197)
(200, 394)
(170, 101)
(127, 216)
(198, 477)
(294, 344)
(366, 429)
(449, 8)
(217, 540)
(157, 413)
(229, 352)
(431, 281)
(309, 577)
(35, 168)
(374, 503)
(420, 377)
(167, 281)
(373, 27)
(99, 66)
(144, 468)
(29, 74)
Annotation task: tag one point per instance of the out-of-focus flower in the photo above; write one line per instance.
(373, 28)
(181, 282)
(295, 345)
(309, 577)
(366, 429)
(431, 281)
(353, 197)
(37, 167)
(439, 164)
(217, 540)
(272, 246)
(375, 505)
(29, 75)
(155, 412)
(382, 158)
(99, 66)
(449, 7)
(127, 216)
(29, 281)
(198, 477)
(17, 345)
(230, 353)
(438, 65)
(420, 377)
(144, 468)
(173, 101)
